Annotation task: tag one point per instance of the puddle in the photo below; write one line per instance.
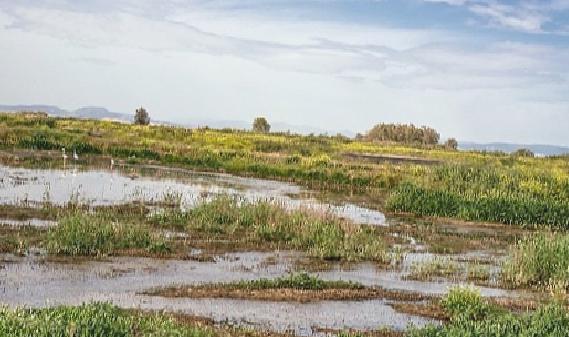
(110, 187)
(368, 274)
(38, 223)
(35, 282)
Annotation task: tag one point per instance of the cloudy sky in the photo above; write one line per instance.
(483, 70)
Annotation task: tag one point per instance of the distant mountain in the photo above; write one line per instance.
(95, 112)
(85, 112)
(50, 109)
(540, 150)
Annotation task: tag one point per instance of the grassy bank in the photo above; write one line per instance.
(467, 185)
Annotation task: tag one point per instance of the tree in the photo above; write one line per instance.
(141, 117)
(401, 133)
(451, 144)
(261, 125)
(523, 153)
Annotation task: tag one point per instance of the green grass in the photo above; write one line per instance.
(97, 234)
(321, 235)
(519, 196)
(472, 316)
(539, 261)
(93, 320)
(437, 267)
(467, 185)
(299, 281)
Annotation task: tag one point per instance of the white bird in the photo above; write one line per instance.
(75, 156)
(64, 155)
(112, 163)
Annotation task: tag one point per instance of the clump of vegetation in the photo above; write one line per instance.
(92, 320)
(298, 281)
(322, 235)
(471, 315)
(93, 235)
(451, 144)
(501, 195)
(401, 133)
(523, 153)
(539, 261)
(437, 267)
(260, 124)
(141, 117)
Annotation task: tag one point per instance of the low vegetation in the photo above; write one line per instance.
(471, 315)
(300, 287)
(298, 281)
(93, 320)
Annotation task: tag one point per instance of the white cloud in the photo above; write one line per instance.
(218, 63)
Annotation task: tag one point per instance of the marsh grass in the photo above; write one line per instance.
(539, 261)
(436, 268)
(322, 235)
(446, 268)
(297, 281)
(472, 315)
(96, 234)
(92, 320)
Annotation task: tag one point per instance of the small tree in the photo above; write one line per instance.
(261, 125)
(451, 144)
(523, 152)
(141, 117)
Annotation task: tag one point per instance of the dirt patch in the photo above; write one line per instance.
(429, 309)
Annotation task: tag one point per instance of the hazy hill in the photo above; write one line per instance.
(540, 150)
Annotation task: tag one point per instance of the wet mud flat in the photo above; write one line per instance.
(38, 282)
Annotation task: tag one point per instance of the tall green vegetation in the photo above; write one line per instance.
(92, 320)
(321, 235)
(471, 315)
(539, 261)
(93, 235)
(401, 133)
(498, 194)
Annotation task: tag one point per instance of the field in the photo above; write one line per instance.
(167, 231)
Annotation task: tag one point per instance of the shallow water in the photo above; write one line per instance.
(38, 223)
(35, 282)
(108, 187)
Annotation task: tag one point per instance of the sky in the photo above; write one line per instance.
(476, 70)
